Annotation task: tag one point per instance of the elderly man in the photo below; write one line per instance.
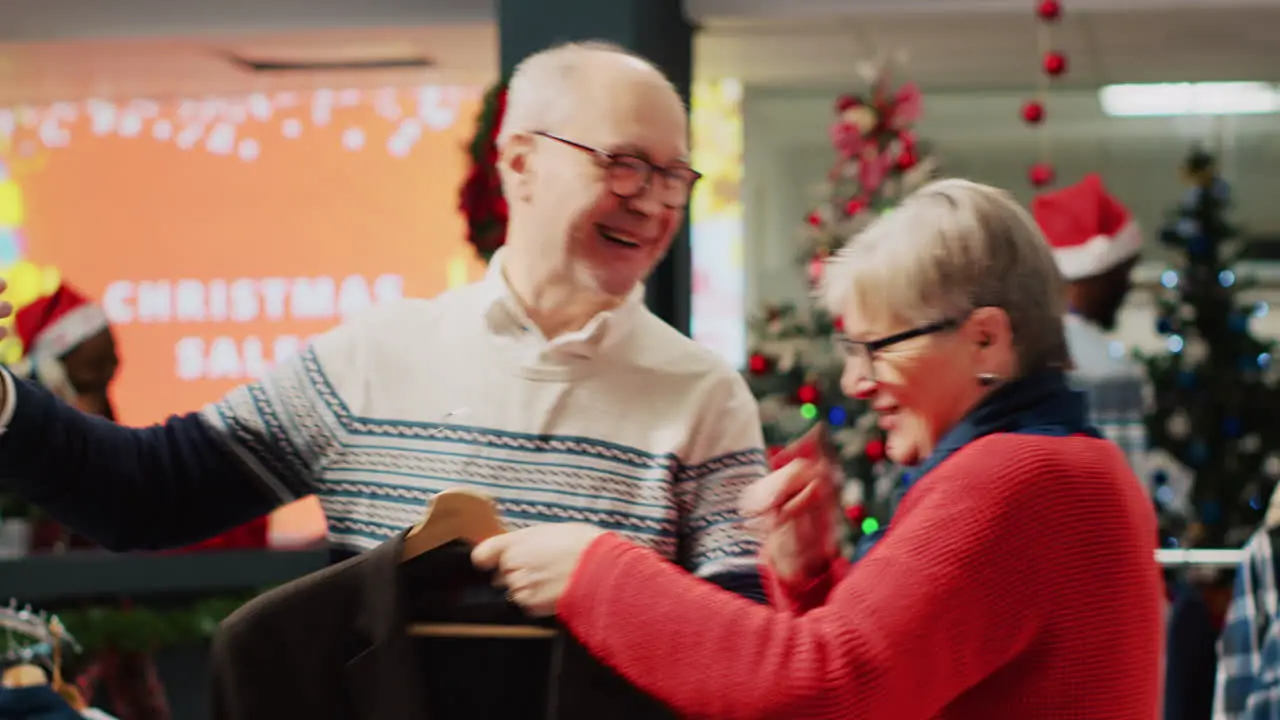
(548, 384)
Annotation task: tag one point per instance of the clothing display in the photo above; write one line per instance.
(335, 645)
(1248, 675)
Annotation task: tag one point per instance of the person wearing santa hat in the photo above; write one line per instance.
(1096, 243)
(68, 347)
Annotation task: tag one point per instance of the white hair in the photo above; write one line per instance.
(949, 248)
(546, 88)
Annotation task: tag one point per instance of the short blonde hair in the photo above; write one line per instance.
(949, 248)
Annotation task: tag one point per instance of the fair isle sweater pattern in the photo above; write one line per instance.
(374, 476)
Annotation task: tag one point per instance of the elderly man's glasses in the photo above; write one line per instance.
(864, 351)
(628, 175)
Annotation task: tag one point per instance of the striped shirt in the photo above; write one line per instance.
(625, 424)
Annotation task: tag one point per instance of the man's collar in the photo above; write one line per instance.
(505, 314)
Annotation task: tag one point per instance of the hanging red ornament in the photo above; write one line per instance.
(854, 206)
(1033, 112)
(1055, 63)
(837, 324)
(814, 219)
(1049, 10)
(807, 394)
(846, 102)
(758, 364)
(1041, 174)
(874, 450)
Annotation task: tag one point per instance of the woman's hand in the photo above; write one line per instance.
(535, 564)
(794, 508)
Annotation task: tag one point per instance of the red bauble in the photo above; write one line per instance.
(874, 450)
(1033, 112)
(814, 219)
(758, 364)
(1049, 10)
(855, 514)
(807, 394)
(854, 206)
(1055, 63)
(1041, 174)
(837, 324)
(907, 159)
(845, 102)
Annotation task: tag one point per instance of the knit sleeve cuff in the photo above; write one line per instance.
(800, 595)
(598, 569)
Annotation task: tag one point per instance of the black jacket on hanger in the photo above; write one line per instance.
(333, 646)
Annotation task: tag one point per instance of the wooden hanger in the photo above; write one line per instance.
(469, 516)
(453, 514)
(69, 692)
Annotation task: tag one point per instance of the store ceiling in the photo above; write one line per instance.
(999, 50)
(970, 51)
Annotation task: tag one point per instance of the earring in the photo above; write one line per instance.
(987, 379)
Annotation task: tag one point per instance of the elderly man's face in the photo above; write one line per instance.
(605, 240)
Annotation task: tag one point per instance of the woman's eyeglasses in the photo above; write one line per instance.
(628, 175)
(864, 351)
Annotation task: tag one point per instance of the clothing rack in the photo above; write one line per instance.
(1199, 558)
(37, 628)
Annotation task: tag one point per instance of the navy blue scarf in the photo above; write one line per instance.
(1039, 404)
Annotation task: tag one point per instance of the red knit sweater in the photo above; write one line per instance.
(1017, 581)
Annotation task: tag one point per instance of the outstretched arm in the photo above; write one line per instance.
(163, 486)
(187, 479)
(915, 608)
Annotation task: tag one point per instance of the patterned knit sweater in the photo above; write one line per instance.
(1017, 581)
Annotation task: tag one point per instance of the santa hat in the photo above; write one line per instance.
(56, 324)
(1088, 230)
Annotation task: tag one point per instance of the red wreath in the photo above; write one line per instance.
(480, 199)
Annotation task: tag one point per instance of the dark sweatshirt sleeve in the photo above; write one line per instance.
(127, 488)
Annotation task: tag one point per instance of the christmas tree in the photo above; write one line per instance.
(794, 367)
(1214, 397)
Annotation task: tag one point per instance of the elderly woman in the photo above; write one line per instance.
(1017, 579)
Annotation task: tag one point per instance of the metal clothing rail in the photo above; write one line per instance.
(1200, 558)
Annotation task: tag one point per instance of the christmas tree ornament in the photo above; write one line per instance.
(875, 450)
(808, 393)
(758, 364)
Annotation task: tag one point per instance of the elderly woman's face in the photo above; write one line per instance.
(919, 387)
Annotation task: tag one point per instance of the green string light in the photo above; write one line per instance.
(870, 525)
(808, 411)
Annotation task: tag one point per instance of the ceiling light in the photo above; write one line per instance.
(1205, 98)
